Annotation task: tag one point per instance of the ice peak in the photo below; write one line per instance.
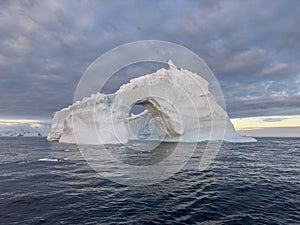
(171, 64)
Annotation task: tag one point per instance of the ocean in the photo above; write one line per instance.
(247, 183)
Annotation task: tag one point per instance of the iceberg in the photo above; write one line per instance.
(24, 129)
(178, 108)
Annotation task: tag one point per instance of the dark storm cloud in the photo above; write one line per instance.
(253, 47)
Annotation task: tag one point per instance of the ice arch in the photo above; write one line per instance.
(155, 122)
(179, 101)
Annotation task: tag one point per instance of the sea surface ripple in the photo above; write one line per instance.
(249, 183)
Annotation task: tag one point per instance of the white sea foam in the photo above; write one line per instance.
(48, 160)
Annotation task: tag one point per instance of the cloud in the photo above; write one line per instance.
(254, 123)
(3, 60)
(243, 59)
(272, 132)
(253, 48)
(273, 68)
(278, 119)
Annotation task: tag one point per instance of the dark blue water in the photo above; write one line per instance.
(50, 183)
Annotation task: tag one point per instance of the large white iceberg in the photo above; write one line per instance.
(179, 108)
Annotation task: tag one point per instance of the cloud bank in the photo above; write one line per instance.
(252, 47)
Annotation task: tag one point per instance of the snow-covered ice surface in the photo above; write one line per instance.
(179, 108)
(24, 129)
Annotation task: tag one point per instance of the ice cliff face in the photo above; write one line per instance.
(179, 108)
(58, 124)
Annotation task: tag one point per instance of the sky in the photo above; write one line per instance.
(253, 48)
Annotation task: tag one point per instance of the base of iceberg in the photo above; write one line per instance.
(178, 108)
